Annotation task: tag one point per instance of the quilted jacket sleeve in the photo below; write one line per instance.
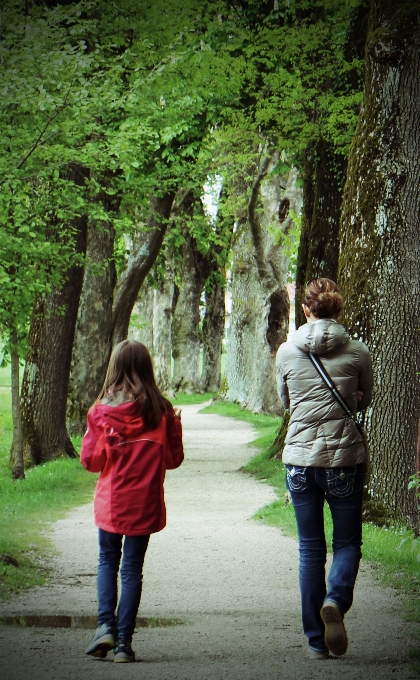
(282, 388)
(92, 455)
(365, 377)
(174, 452)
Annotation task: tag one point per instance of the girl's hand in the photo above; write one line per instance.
(177, 413)
(359, 395)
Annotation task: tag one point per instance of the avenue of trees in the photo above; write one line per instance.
(154, 154)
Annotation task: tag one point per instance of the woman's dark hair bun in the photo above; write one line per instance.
(323, 299)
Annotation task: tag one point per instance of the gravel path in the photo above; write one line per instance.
(232, 581)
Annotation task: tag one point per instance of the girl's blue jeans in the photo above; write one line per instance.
(110, 546)
(342, 488)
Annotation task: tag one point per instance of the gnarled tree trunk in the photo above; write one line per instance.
(272, 265)
(47, 369)
(244, 304)
(380, 248)
(213, 332)
(260, 304)
(162, 328)
(105, 309)
(194, 269)
(92, 341)
(186, 336)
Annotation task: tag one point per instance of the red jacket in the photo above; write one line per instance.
(132, 460)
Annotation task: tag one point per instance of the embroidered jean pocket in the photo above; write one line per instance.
(296, 478)
(341, 480)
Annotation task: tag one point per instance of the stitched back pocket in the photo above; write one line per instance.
(341, 480)
(296, 478)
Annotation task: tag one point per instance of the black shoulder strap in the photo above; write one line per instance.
(329, 383)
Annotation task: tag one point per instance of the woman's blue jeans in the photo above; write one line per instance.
(134, 551)
(342, 488)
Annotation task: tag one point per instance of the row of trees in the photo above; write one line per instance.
(115, 121)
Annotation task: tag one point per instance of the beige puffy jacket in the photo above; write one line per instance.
(320, 434)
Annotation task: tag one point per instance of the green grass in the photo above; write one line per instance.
(394, 552)
(27, 506)
(182, 399)
(5, 377)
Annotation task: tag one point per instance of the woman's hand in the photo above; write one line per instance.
(359, 395)
(177, 413)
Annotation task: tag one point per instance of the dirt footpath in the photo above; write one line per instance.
(229, 582)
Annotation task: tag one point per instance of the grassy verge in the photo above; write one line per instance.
(393, 551)
(27, 506)
(182, 399)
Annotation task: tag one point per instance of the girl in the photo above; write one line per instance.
(134, 435)
(324, 456)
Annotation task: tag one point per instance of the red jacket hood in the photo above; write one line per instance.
(123, 419)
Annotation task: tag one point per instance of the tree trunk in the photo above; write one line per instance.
(213, 332)
(241, 337)
(92, 342)
(323, 179)
(380, 248)
(260, 303)
(139, 263)
(273, 310)
(16, 454)
(141, 320)
(105, 309)
(162, 329)
(318, 249)
(305, 234)
(194, 269)
(186, 336)
(47, 369)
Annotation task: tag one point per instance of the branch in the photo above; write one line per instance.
(140, 262)
(38, 141)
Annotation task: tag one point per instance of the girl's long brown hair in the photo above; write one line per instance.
(130, 370)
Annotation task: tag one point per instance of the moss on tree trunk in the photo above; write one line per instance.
(379, 268)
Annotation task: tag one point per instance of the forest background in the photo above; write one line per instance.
(119, 121)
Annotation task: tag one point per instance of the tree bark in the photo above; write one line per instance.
(47, 369)
(141, 319)
(105, 308)
(380, 248)
(162, 329)
(260, 304)
(16, 454)
(273, 311)
(186, 336)
(139, 263)
(244, 304)
(323, 188)
(323, 179)
(213, 332)
(305, 234)
(92, 342)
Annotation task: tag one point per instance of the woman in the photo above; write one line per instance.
(324, 458)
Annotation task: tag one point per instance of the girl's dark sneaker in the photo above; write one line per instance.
(123, 652)
(102, 642)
